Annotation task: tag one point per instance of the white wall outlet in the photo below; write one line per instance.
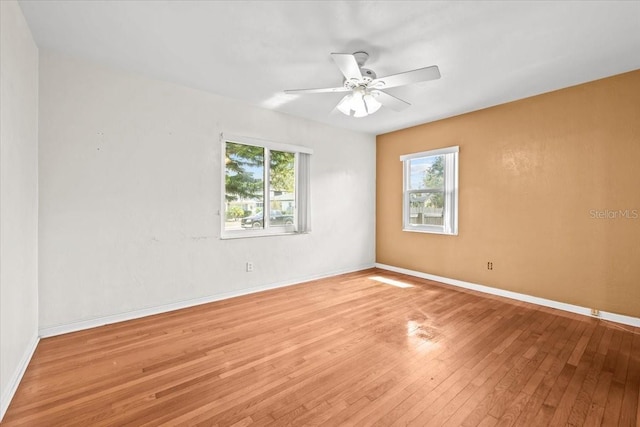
(249, 267)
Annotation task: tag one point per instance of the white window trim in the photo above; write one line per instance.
(269, 145)
(450, 226)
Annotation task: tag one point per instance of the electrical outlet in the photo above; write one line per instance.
(489, 265)
(249, 267)
(595, 312)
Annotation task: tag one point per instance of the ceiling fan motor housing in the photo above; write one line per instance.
(361, 57)
(367, 77)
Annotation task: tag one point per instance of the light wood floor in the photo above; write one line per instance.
(346, 350)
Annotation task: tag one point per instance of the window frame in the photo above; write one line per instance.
(268, 146)
(450, 194)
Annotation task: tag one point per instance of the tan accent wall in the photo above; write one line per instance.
(535, 175)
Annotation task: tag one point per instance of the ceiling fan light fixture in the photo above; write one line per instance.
(371, 102)
(359, 114)
(344, 106)
(358, 105)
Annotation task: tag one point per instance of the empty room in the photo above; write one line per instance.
(366, 213)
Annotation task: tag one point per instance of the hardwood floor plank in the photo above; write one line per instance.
(611, 414)
(513, 411)
(628, 409)
(349, 350)
(585, 395)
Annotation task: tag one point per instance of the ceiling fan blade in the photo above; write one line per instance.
(321, 90)
(348, 65)
(408, 77)
(390, 101)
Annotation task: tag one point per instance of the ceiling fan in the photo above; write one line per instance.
(365, 88)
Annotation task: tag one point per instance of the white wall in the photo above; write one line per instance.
(130, 185)
(18, 198)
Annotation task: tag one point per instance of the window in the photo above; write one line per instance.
(430, 200)
(265, 188)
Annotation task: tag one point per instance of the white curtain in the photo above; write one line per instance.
(304, 193)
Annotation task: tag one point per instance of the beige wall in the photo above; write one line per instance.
(531, 174)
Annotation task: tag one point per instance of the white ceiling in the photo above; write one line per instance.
(488, 52)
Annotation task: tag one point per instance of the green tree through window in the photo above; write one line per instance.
(244, 171)
(434, 179)
(242, 163)
(434, 175)
(282, 171)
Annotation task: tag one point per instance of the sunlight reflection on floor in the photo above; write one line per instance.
(391, 282)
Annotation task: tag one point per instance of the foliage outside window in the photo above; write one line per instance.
(430, 187)
(264, 185)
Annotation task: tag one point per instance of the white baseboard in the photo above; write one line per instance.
(136, 314)
(7, 394)
(612, 317)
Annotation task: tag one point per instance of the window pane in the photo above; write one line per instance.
(426, 173)
(244, 186)
(282, 188)
(426, 208)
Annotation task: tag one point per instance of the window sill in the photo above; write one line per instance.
(250, 233)
(429, 231)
